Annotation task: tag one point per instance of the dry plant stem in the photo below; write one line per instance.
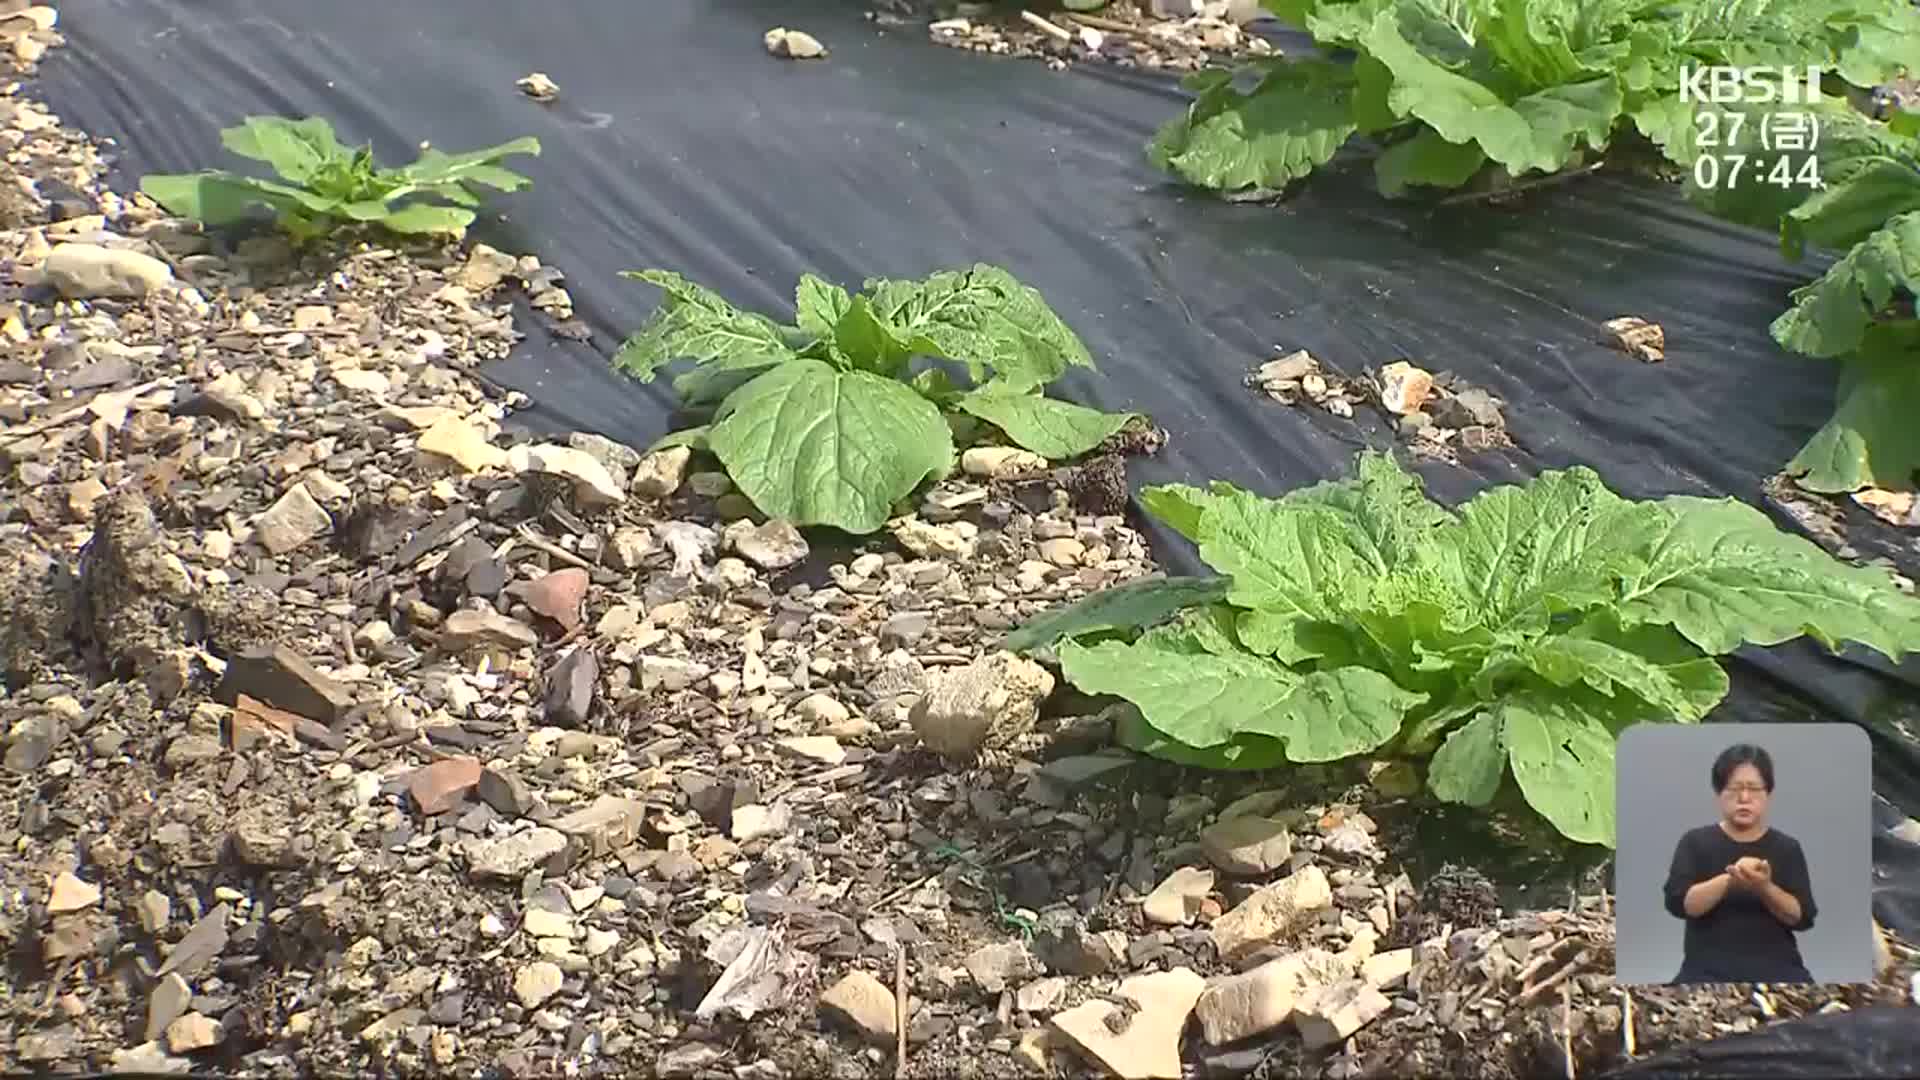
(1530, 994)
(1015, 860)
(1541, 962)
(1049, 28)
(1522, 186)
(537, 541)
(852, 618)
(1566, 1025)
(1630, 1044)
(900, 1011)
(1098, 22)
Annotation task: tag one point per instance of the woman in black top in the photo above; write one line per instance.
(1741, 886)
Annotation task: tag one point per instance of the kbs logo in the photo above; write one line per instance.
(1780, 150)
(1750, 85)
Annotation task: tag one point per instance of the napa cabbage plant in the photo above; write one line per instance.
(324, 184)
(1854, 191)
(1513, 637)
(1452, 89)
(827, 420)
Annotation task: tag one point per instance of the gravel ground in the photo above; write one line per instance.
(1164, 35)
(348, 726)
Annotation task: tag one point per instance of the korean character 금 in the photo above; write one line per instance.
(1788, 131)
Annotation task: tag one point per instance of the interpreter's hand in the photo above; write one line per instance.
(1751, 872)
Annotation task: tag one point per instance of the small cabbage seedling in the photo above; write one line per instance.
(324, 184)
(825, 422)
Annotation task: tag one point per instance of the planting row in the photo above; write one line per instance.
(1511, 638)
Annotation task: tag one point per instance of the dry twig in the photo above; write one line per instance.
(1050, 29)
(900, 1011)
(1626, 1022)
(538, 542)
(1541, 962)
(1530, 994)
(1566, 1025)
(1099, 22)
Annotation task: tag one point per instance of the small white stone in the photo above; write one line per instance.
(86, 271)
(537, 982)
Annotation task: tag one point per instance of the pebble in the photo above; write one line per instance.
(993, 966)
(536, 982)
(629, 548)
(558, 595)
(468, 628)
(168, 1002)
(452, 437)
(70, 893)
(1333, 1014)
(687, 1059)
(441, 786)
(753, 821)
(794, 44)
(1000, 462)
(775, 545)
(87, 271)
(571, 685)
(863, 1004)
(542, 923)
(660, 474)
(1145, 1046)
(592, 483)
(1404, 388)
(1177, 899)
(1388, 969)
(1249, 846)
(1272, 912)
(1064, 551)
(821, 710)
(824, 749)
(963, 707)
(1040, 995)
(512, 856)
(154, 910)
(505, 791)
(599, 942)
(958, 541)
(1257, 1001)
(149, 1058)
(192, 1032)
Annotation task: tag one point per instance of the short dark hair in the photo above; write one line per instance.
(1742, 754)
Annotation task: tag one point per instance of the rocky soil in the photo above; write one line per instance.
(1153, 35)
(349, 726)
